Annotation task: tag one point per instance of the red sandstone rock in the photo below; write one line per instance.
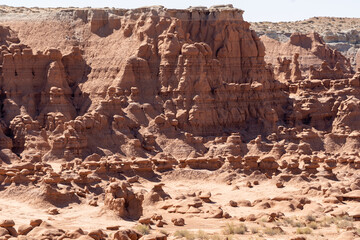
(178, 221)
(24, 229)
(127, 234)
(312, 52)
(121, 199)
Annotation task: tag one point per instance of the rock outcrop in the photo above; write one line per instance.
(193, 90)
(183, 81)
(120, 198)
(311, 52)
(340, 34)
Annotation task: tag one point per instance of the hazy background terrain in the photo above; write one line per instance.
(261, 10)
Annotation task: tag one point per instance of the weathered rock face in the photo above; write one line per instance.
(7, 36)
(311, 52)
(36, 84)
(192, 74)
(120, 198)
(172, 88)
(340, 34)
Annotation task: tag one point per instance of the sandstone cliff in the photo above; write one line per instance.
(178, 86)
(165, 78)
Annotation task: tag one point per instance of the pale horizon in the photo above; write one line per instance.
(255, 11)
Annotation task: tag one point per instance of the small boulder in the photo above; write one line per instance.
(218, 213)
(145, 221)
(12, 231)
(279, 184)
(298, 238)
(244, 203)
(251, 218)
(35, 222)
(126, 235)
(156, 217)
(133, 179)
(233, 203)
(24, 229)
(97, 234)
(178, 221)
(113, 228)
(205, 196)
(226, 215)
(53, 211)
(158, 236)
(160, 223)
(7, 223)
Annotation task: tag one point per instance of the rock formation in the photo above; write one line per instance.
(194, 91)
(185, 82)
(311, 50)
(340, 34)
(123, 200)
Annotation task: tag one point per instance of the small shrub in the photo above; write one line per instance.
(143, 229)
(326, 222)
(344, 224)
(240, 229)
(298, 224)
(162, 231)
(336, 220)
(202, 235)
(184, 234)
(313, 225)
(254, 230)
(272, 231)
(305, 230)
(288, 221)
(230, 228)
(311, 218)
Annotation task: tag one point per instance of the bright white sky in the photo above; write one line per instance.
(255, 10)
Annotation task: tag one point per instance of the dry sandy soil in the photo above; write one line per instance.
(262, 199)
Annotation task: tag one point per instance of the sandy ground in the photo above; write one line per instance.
(180, 188)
